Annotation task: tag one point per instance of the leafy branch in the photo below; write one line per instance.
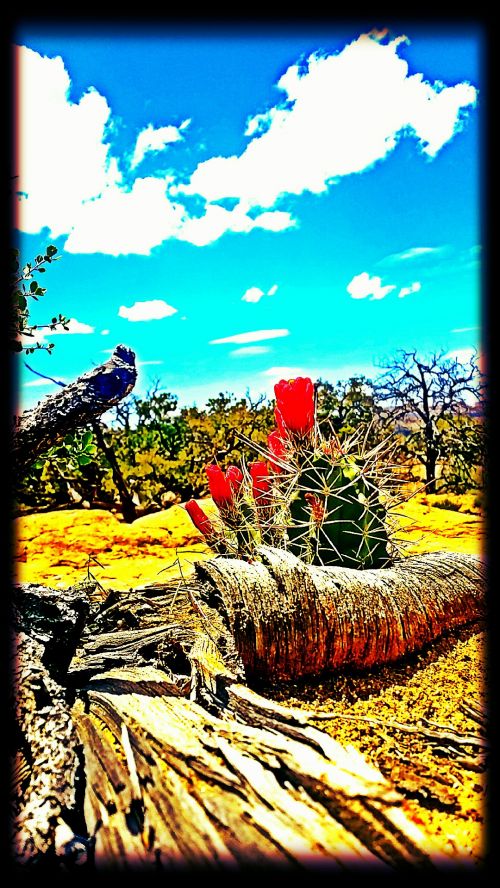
(25, 286)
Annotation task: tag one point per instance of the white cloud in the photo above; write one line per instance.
(253, 294)
(362, 285)
(249, 350)
(73, 326)
(38, 337)
(216, 221)
(63, 159)
(415, 253)
(152, 139)
(462, 355)
(253, 336)
(465, 329)
(340, 114)
(413, 288)
(105, 332)
(148, 363)
(151, 310)
(122, 222)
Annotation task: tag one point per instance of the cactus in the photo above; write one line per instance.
(337, 516)
(317, 499)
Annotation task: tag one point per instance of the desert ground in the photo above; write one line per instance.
(441, 687)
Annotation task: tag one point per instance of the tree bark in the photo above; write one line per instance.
(167, 759)
(75, 405)
(290, 620)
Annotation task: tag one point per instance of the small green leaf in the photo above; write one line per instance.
(33, 287)
(83, 460)
(42, 270)
(39, 258)
(21, 301)
(69, 440)
(51, 250)
(86, 438)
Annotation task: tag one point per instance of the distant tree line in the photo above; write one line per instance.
(154, 451)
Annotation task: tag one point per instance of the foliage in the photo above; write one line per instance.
(162, 450)
(24, 286)
(70, 472)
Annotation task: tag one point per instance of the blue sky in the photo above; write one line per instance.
(240, 205)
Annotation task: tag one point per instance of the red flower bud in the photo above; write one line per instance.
(295, 405)
(235, 477)
(223, 487)
(199, 518)
(277, 447)
(261, 486)
(317, 507)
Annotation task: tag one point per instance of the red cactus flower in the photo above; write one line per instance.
(261, 486)
(223, 487)
(276, 446)
(199, 518)
(295, 405)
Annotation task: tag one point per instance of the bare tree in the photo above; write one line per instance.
(424, 394)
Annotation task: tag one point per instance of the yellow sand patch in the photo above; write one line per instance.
(55, 547)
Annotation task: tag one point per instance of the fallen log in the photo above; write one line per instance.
(179, 763)
(75, 405)
(289, 619)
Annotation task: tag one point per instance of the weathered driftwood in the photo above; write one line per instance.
(75, 405)
(182, 764)
(289, 619)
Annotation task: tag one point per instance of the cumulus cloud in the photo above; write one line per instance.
(73, 326)
(154, 140)
(252, 336)
(216, 221)
(249, 350)
(362, 285)
(255, 294)
(63, 159)
(121, 222)
(340, 114)
(413, 288)
(150, 310)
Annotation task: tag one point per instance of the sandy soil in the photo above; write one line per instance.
(444, 793)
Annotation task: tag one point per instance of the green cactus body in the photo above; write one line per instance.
(337, 517)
